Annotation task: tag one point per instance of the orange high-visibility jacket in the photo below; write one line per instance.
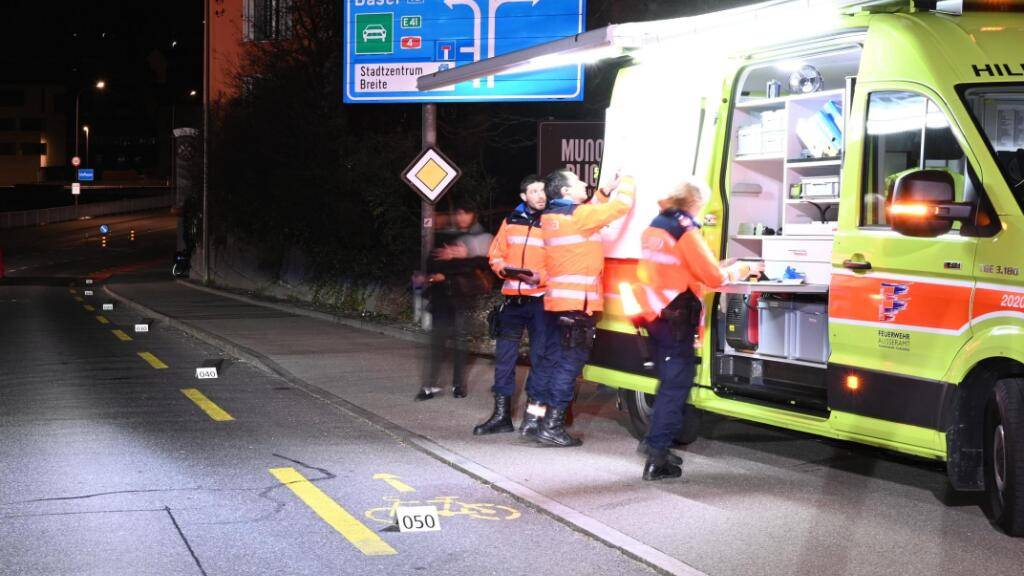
(519, 244)
(676, 259)
(574, 251)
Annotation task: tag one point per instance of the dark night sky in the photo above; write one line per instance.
(57, 41)
(148, 52)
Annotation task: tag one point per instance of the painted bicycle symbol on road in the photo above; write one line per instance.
(447, 506)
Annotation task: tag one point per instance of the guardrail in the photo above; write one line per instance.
(66, 213)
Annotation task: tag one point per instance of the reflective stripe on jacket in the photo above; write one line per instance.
(675, 259)
(574, 250)
(519, 244)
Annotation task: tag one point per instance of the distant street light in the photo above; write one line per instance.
(100, 85)
(192, 93)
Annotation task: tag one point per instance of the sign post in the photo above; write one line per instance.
(427, 208)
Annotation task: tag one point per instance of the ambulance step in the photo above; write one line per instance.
(785, 384)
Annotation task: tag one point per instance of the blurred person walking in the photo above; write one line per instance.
(456, 273)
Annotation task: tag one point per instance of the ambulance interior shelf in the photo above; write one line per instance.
(783, 196)
(771, 287)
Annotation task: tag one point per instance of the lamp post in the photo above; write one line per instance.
(100, 85)
(86, 130)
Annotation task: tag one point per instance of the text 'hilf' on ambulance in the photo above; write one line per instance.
(872, 155)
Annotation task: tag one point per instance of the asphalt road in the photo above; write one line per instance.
(107, 467)
(115, 459)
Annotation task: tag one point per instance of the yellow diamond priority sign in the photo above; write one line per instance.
(431, 174)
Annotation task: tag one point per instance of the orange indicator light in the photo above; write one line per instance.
(909, 210)
(853, 382)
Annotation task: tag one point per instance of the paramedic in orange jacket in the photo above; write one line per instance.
(675, 270)
(574, 256)
(519, 245)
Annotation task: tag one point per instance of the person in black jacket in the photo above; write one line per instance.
(457, 271)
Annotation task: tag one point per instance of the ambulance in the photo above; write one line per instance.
(872, 155)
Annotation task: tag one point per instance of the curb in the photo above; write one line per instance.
(561, 513)
(291, 309)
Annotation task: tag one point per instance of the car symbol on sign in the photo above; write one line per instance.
(375, 32)
(411, 42)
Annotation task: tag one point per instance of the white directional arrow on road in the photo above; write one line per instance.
(491, 25)
(472, 5)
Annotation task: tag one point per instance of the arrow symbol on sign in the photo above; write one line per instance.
(394, 482)
(492, 24)
(472, 5)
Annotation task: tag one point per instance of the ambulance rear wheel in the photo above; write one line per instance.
(640, 406)
(1004, 455)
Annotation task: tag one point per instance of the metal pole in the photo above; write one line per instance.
(206, 139)
(77, 96)
(427, 230)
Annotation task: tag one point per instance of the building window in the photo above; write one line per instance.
(8, 149)
(266, 20)
(12, 98)
(33, 149)
(32, 124)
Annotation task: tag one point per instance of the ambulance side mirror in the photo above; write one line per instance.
(923, 204)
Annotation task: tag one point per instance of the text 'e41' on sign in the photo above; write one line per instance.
(431, 174)
(390, 43)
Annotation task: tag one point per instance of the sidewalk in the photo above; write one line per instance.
(753, 500)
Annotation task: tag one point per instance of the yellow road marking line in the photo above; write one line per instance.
(211, 409)
(88, 308)
(366, 540)
(394, 482)
(121, 335)
(79, 299)
(153, 360)
(102, 319)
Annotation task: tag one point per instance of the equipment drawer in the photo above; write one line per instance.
(796, 249)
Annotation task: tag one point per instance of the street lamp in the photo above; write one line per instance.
(86, 130)
(100, 85)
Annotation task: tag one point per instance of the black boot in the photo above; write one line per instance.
(531, 422)
(459, 391)
(672, 458)
(552, 429)
(659, 468)
(501, 418)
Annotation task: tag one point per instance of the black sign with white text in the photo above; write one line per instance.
(575, 146)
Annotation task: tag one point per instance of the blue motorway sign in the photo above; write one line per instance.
(85, 175)
(390, 43)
